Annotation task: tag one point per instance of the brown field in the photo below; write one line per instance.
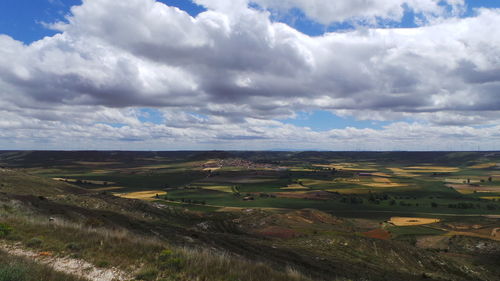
(378, 234)
(409, 221)
(433, 242)
(468, 189)
(277, 232)
(142, 195)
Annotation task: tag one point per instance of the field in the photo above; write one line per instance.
(293, 215)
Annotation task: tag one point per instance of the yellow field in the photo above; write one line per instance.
(222, 188)
(142, 195)
(431, 169)
(211, 169)
(491, 197)
(408, 221)
(402, 173)
(384, 185)
(381, 175)
(295, 187)
(484, 166)
(107, 188)
(384, 180)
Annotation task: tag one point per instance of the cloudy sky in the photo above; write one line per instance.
(250, 74)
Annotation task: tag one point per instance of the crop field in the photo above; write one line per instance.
(341, 209)
(400, 221)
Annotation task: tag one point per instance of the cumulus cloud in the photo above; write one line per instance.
(217, 75)
(328, 12)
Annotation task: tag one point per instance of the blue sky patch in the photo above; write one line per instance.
(321, 120)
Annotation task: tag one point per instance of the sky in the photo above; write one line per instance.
(250, 75)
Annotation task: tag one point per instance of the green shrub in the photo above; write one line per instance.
(12, 273)
(34, 242)
(168, 260)
(166, 254)
(5, 230)
(147, 274)
(102, 264)
(73, 247)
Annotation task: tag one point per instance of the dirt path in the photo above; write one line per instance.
(67, 265)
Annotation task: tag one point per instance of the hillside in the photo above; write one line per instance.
(164, 239)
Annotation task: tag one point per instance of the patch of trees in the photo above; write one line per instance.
(354, 200)
(463, 205)
(188, 201)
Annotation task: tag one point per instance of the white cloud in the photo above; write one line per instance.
(236, 72)
(328, 12)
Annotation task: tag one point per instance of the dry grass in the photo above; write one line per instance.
(142, 195)
(409, 221)
(484, 166)
(295, 187)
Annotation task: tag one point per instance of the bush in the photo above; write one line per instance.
(5, 230)
(147, 274)
(168, 260)
(102, 264)
(34, 242)
(73, 247)
(12, 273)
